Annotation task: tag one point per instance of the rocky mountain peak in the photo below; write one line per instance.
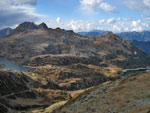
(43, 26)
(29, 27)
(112, 36)
(25, 27)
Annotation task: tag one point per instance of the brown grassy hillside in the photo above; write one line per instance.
(129, 95)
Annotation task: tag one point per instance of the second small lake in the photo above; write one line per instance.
(128, 72)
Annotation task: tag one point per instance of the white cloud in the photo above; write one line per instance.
(118, 19)
(102, 21)
(110, 24)
(136, 23)
(93, 5)
(116, 28)
(111, 21)
(58, 20)
(137, 29)
(18, 2)
(14, 12)
(138, 4)
(126, 29)
(76, 25)
(107, 7)
(147, 18)
(147, 3)
(89, 5)
(88, 26)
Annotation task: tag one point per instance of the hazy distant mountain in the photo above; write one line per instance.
(144, 46)
(140, 36)
(5, 32)
(94, 33)
(139, 39)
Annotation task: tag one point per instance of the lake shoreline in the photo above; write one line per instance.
(127, 72)
(13, 66)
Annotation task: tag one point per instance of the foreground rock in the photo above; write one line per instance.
(130, 94)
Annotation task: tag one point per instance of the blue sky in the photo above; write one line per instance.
(78, 15)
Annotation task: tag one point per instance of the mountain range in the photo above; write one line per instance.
(142, 45)
(94, 33)
(29, 40)
(138, 39)
(64, 66)
(5, 32)
(139, 36)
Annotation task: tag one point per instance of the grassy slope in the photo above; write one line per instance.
(129, 95)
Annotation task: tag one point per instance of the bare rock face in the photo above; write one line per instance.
(29, 27)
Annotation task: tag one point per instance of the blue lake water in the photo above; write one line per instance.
(9, 65)
(128, 72)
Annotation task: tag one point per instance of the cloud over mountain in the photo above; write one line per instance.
(13, 12)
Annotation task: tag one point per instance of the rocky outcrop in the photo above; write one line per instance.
(29, 27)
